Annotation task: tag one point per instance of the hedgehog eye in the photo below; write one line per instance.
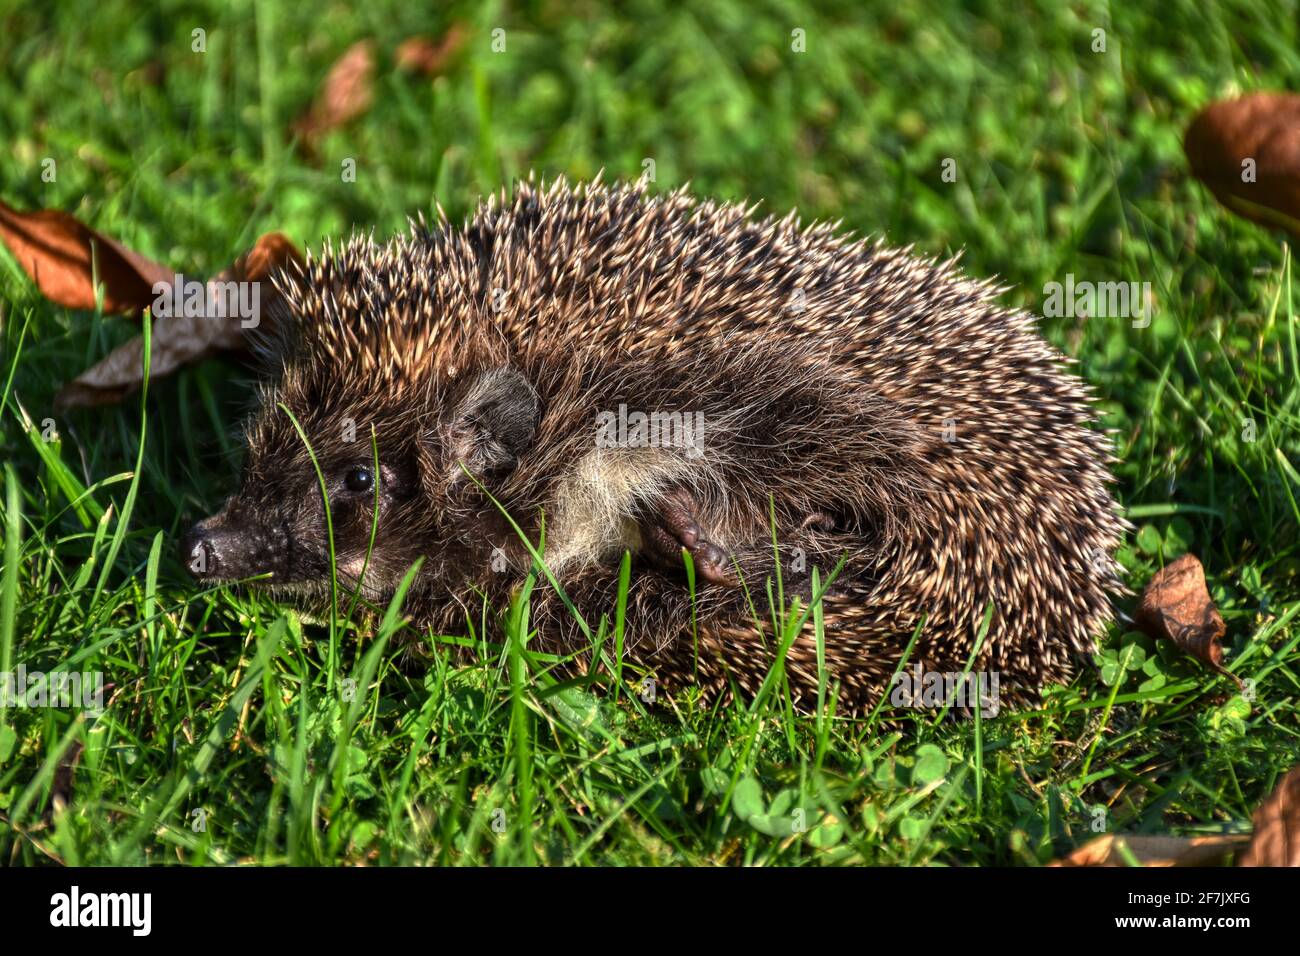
(359, 479)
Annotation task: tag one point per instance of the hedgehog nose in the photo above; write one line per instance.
(207, 552)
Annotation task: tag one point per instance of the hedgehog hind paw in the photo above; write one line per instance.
(671, 527)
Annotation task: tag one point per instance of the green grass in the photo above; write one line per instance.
(228, 708)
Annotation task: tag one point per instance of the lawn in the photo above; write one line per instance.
(236, 730)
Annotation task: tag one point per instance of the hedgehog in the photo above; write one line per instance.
(757, 411)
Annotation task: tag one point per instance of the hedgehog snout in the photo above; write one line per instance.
(225, 547)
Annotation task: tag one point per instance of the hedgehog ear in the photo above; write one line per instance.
(492, 424)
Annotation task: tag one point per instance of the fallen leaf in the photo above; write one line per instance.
(1276, 841)
(1176, 607)
(345, 94)
(427, 56)
(180, 340)
(60, 254)
(1153, 851)
(1257, 137)
(271, 251)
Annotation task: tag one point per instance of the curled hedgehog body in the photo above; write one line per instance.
(867, 409)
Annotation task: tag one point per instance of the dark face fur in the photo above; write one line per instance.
(425, 498)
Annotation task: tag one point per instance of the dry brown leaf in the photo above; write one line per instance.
(119, 374)
(345, 94)
(180, 340)
(1263, 128)
(59, 254)
(271, 251)
(427, 56)
(1154, 851)
(1276, 841)
(1176, 606)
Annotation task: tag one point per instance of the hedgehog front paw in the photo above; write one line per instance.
(671, 526)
